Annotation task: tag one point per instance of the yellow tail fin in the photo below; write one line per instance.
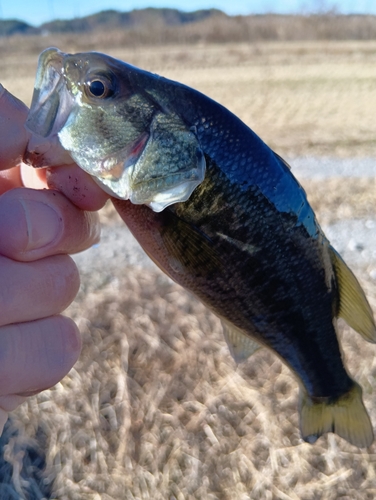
(346, 416)
(353, 304)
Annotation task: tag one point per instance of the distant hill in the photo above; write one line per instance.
(16, 27)
(110, 19)
(148, 26)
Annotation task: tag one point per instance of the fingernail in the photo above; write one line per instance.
(43, 224)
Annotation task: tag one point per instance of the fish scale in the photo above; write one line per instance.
(257, 166)
(258, 275)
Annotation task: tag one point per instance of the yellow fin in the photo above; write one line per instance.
(353, 304)
(241, 346)
(347, 417)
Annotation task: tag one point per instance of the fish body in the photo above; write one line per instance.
(219, 212)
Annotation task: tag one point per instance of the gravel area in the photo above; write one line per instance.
(355, 240)
(322, 168)
(117, 245)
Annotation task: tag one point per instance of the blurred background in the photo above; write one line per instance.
(156, 408)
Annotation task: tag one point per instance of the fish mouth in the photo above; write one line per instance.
(50, 108)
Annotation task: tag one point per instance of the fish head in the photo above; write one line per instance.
(91, 109)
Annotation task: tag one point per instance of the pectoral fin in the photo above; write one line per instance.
(346, 416)
(353, 304)
(241, 346)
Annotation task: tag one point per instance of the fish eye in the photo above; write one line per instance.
(100, 87)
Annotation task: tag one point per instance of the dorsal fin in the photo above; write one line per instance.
(241, 346)
(282, 160)
(353, 304)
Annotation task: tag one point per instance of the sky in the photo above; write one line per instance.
(36, 12)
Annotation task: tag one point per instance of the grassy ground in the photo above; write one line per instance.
(313, 98)
(156, 408)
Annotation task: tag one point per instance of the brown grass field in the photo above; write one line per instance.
(156, 408)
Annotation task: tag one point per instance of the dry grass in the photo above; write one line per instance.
(336, 199)
(156, 408)
(314, 97)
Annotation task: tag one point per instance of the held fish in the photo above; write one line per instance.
(218, 211)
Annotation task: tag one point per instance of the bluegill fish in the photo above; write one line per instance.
(219, 212)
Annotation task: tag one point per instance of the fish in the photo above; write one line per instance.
(219, 212)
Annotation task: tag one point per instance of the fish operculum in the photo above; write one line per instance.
(155, 170)
(171, 165)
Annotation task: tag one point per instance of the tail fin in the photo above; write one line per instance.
(346, 416)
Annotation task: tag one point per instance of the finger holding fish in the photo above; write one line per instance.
(14, 136)
(38, 346)
(78, 186)
(16, 140)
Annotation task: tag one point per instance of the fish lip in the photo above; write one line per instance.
(45, 103)
(41, 152)
(50, 108)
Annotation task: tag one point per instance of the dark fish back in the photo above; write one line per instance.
(269, 281)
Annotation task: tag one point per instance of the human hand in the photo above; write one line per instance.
(38, 228)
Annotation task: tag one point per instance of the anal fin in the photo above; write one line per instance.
(346, 416)
(353, 304)
(241, 346)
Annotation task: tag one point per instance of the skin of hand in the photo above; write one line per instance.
(39, 227)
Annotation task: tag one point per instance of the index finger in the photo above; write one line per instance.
(13, 135)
